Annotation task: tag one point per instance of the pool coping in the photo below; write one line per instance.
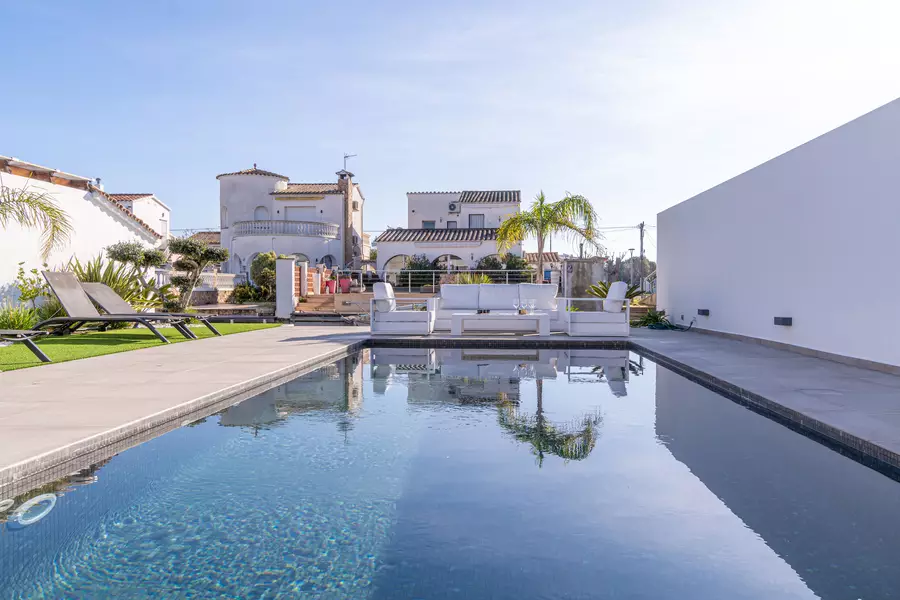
(53, 465)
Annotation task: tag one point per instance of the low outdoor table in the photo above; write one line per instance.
(25, 336)
(458, 320)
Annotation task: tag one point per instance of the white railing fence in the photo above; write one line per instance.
(411, 281)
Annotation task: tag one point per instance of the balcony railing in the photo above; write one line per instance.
(302, 228)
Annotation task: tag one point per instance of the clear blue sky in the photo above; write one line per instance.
(637, 105)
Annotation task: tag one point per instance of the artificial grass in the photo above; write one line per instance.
(97, 343)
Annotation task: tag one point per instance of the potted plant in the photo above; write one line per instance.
(345, 282)
(331, 283)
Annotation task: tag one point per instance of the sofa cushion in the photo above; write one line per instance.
(544, 295)
(454, 295)
(498, 296)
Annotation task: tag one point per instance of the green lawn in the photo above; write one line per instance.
(85, 345)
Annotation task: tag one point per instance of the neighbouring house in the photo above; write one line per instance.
(213, 239)
(796, 251)
(262, 211)
(456, 229)
(552, 263)
(148, 208)
(97, 219)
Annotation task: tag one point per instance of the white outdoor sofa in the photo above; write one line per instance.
(388, 317)
(500, 297)
(613, 319)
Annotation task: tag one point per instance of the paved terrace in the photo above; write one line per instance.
(95, 407)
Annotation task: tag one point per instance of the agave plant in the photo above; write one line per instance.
(601, 288)
(653, 317)
(17, 316)
(126, 280)
(473, 278)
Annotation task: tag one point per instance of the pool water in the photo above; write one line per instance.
(414, 473)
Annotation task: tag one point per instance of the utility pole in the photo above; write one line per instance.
(641, 270)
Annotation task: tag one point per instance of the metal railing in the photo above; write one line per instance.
(414, 281)
(301, 228)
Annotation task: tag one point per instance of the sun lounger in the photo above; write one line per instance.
(113, 303)
(26, 337)
(81, 310)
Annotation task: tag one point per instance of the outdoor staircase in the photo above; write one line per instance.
(317, 303)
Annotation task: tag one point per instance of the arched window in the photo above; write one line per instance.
(261, 214)
(299, 257)
(328, 260)
(225, 216)
(449, 262)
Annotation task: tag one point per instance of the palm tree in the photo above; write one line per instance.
(35, 210)
(570, 443)
(573, 216)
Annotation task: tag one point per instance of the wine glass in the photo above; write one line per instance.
(531, 306)
(516, 305)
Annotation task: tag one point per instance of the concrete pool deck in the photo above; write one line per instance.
(55, 417)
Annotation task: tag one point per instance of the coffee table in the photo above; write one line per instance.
(458, 321)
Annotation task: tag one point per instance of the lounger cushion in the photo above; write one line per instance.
(459, 296)
(544, 295)
(498, 296)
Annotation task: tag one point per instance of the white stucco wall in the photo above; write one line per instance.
(434, 207)
(239, 197)
(97, 224)
(153, 212)
(810, 235)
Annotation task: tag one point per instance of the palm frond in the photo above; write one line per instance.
(36, 210)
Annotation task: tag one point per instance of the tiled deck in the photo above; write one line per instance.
(95, 407)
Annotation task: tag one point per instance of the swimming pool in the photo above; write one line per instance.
(419, 473)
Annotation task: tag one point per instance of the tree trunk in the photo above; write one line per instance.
(540, 260)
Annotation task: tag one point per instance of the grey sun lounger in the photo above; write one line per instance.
(26, 337)
(113, 303)
(82, 311)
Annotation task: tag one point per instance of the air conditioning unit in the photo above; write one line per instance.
(453, 207)
(356, 205)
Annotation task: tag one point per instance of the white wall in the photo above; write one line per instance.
(97, 224)
(153, 213)
(810, 235)
(434, 207)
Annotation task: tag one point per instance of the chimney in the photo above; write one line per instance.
(99, 184)
(345, 185)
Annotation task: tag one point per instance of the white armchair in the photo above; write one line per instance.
(386, 316)
(609, 321)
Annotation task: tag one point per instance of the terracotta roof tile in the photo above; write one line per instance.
(127, 197)
(438, 235)
(532, 257)
(208, 237)
(308, 188)
(93, 188)
(253, 171)
(499, 196)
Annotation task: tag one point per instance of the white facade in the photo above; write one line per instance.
(97, 222)
(261, 211)
(424, 208)
(429, 214)
(810, 235)
(149, 209)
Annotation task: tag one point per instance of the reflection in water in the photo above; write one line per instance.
(336, 387)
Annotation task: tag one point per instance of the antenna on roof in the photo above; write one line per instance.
(254, 165)
(346, 156)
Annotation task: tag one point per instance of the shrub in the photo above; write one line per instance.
(17, 316)
(126, 280)
(414, 273)
(489, 263)
(245, 292)
(262, 272)
(653, 317)
(31, 285)
(511, 262)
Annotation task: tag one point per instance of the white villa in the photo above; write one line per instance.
(456, 228)
(320, 223)
(98, 219)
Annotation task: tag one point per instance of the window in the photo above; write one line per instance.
(451, 224)
(261, 213)
(476, 221)
(164, 227)
(427, 224)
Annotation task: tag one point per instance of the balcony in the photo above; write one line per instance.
(299, 228)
